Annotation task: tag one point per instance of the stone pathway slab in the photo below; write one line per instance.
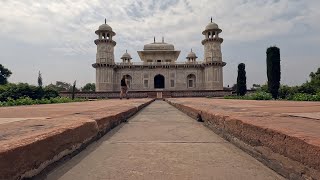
(290, 129)
(32, 137)
(160, 142)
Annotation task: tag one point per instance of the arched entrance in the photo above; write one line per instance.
(159, 82)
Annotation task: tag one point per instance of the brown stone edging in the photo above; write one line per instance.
(27, 157)
(266, 145)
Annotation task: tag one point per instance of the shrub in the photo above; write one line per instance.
(286, 92)
(16, 91)
(260, 96)
(307, 88)
(50, 92)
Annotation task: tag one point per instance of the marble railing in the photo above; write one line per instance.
(156, 63)
(150, 94)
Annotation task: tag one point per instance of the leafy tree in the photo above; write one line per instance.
(89, 87)
(50, 92)
(21, 90)
(39, 80)
(63, 86)
(312, 86)
(287, 92)
(4, 75)
(315, 79)
(264, 88)
(241, 80)
(273, 70)
(15, 91)
(52, 86)
(315, 75)
(307, 88)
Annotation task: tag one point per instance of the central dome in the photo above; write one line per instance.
(159, 46)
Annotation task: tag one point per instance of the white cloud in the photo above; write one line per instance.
(67, 26)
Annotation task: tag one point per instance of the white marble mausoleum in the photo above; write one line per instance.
(159, 68)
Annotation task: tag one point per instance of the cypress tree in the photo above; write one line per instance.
(39, 80)
(73, 90)
(241, 80)
(273, 70)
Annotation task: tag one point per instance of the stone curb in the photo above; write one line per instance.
(27, 157)
(300, 161)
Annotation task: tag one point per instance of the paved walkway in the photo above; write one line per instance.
(287, 128)
(33, 136)
(160, 142)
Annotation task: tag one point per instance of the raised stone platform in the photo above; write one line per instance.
(33, 137)
(284, 135)
(151, 94)
(161, 143)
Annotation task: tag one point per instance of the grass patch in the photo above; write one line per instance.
(305, 97)
(268, 96)
(252, 96)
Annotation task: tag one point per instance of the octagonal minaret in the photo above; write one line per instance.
(105, 44)
(212, 43)
(105, 58)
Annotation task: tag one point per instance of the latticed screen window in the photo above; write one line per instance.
(103, 60)
(210, 75)
(190, 83)
(145, 83)
(216, 74)
(172, 83)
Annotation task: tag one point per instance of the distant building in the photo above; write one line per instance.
(159, 69)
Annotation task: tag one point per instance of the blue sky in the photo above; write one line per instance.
(56, 37)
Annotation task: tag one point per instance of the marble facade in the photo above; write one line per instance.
(159, 68)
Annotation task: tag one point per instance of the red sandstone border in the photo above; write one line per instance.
(291, 157)
(27, 157)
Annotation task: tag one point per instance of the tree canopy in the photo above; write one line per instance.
(312, 86)
(315, 78)
(4, 75)
(89, 87)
